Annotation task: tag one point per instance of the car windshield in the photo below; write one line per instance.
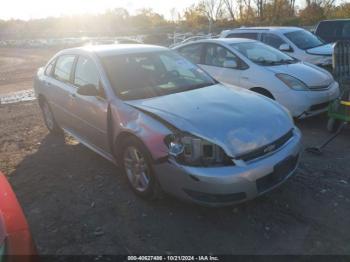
(144, 75)
(304, 39)
(262, 54)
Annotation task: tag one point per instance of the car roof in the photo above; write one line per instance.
(218, 41)
(116, 49)
(266, 28)
(335, 20)
(229, 40)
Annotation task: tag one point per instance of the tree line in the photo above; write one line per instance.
(223, 13)
(204, 16)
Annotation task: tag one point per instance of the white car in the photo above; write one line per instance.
(303, 88)
(295, 41)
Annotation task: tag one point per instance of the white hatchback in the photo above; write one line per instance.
(295, 41)
(303, 88)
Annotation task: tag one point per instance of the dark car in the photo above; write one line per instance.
(333, 30)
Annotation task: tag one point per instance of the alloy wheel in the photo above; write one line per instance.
(136, 169)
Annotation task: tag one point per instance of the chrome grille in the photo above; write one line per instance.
(267, 148)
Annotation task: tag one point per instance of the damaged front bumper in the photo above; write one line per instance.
(226, 185)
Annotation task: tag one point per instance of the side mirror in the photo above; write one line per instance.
(88, 90)
(285, 48)
(230, 64)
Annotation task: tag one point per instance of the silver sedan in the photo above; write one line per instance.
(168, 124)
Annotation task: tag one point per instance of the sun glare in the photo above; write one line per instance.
(20, 9)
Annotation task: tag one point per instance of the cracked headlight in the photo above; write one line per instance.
(292, 82)
(194, 151)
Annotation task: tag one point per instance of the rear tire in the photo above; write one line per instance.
(49, 118)
(137, 166)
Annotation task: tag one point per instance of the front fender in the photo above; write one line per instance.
(127, 120)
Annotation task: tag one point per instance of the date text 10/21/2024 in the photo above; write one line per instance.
(173, 258)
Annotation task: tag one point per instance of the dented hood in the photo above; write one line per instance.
(235, 119)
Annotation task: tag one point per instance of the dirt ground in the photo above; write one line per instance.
(78, 203)
(18, 66)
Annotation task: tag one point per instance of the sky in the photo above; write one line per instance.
(31, 9)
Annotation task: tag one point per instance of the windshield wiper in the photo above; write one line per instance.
(279, 62)
(265, 62)
(270, 62)
(286, 61)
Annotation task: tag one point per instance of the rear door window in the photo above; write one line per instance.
(326, 29)
(272, 40)
(63, 68)
(345, 32)
(86, 73)
(330, 29)
(253, 36)
(192, 52)
(216, 55)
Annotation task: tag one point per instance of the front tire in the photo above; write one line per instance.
(137, 165)
(49, 118)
